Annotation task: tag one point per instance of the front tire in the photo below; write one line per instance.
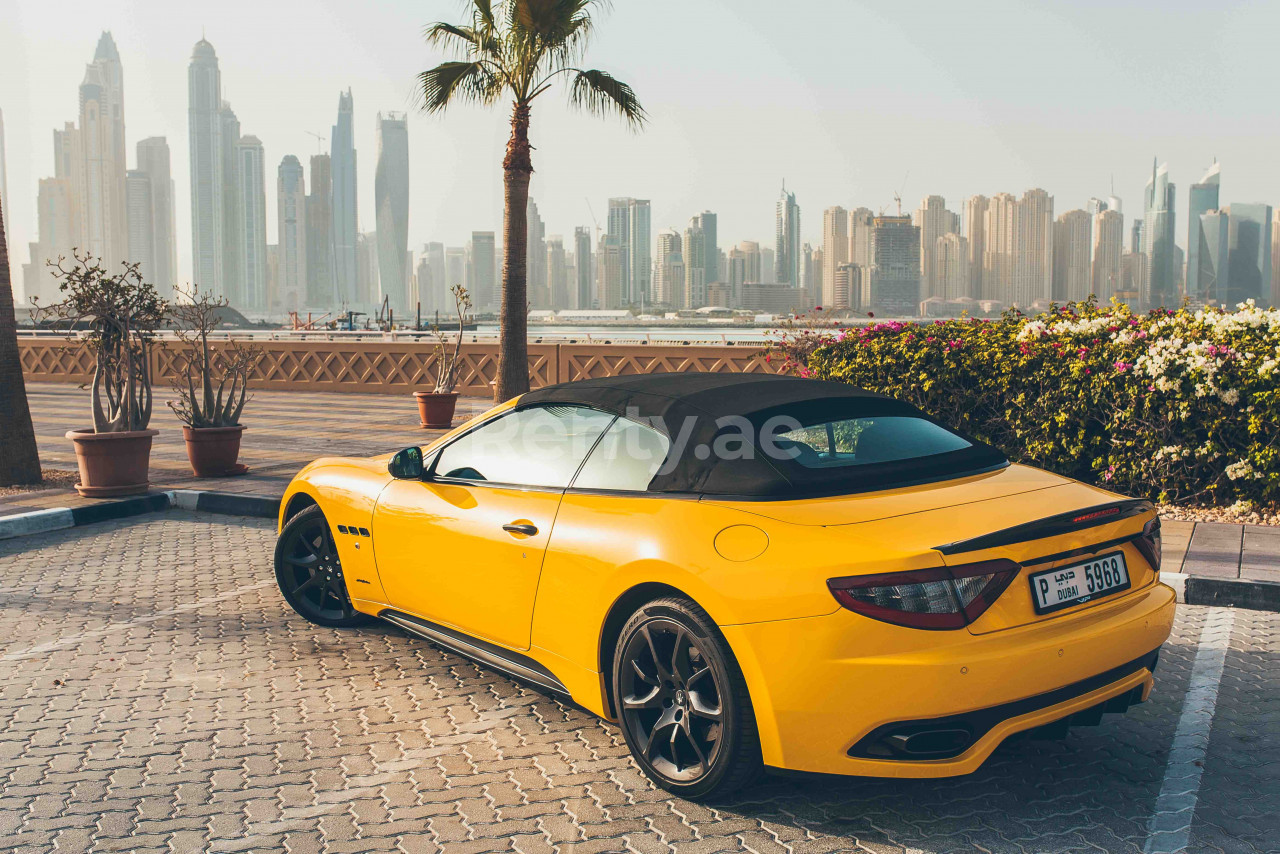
(683, 703)
(310, 574)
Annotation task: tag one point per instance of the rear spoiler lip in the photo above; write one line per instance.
(1052, 526)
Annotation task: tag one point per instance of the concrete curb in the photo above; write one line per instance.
(204, 501)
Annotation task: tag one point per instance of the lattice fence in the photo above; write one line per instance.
(387, 367)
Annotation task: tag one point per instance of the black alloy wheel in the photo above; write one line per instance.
(310, 573)
(682, 701)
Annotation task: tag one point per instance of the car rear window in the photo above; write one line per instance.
(847, 442)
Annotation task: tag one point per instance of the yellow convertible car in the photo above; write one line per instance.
(747, 572)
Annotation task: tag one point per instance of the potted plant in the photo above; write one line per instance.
(210, 384)
(435, 408)
(119, 315)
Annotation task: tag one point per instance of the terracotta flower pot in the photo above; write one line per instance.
(112, 463)
(435, 409)
(213, 451)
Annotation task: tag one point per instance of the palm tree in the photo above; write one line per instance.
(19, 461)
(518, 48)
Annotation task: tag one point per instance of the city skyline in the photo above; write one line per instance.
(1013, 251)
(680, 162)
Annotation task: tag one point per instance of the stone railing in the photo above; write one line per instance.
(392, 367)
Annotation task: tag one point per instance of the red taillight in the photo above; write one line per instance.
(1149, 543)
(940, 598)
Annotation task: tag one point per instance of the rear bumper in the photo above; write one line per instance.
(827, 690)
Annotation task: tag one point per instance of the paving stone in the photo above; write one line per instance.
(236, 726)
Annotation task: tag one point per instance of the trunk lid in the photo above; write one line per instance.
(932, 519)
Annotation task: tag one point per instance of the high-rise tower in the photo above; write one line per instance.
(345, 223)
(291, 233)
(204, 130)
(1201, 272)
(787, 244)
(391, 198)
(1158, 285)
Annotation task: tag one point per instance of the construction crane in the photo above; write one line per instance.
(319, 141)
(592, 211)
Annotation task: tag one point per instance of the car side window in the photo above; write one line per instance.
(626, 458)
(538, 446)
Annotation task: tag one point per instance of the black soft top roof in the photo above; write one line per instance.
(697, 409)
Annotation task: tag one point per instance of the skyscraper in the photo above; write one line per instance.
(102, 196)
(233, 261)
(1275, 259)
(455, 270)
(433, 280)
(367, 273)
(204, 127)
(1159, 284)
(835, 254)
(1108, 253)
(141, 244)
(1203, 198)
(695, 247)
(252, 209)
(892, 285)
(345, 224)
(1017, 258)
(153, 161)
(861, 224)
(391, 200)
(1249, 260)
(629, 222)
(709, 255)
(639, 253)
(669, 270)
(582, 267)
(1212, 257)
(4, 188)
(291, 232)
(557, 269)
(934, 220)
(482, 271)
(1033, 258)
(320, 291)
(537, 291)
(975, 229)
(787, 244)
(1072, 273)
(610, 260)
(951, 260)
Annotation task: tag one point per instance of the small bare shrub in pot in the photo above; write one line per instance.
(436, 408)
(210, 383)
(118, 314)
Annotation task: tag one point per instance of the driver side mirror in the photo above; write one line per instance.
(406, 464)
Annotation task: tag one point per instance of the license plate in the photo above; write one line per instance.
(1055, 589)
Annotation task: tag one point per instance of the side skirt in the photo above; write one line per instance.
(511, 663)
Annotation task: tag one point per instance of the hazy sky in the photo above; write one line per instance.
(847, 101)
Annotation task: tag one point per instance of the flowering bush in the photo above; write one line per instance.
(1181, 406)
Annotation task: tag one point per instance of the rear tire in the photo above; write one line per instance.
(310, 574)
(683, 703)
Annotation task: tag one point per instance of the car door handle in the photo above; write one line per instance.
(518, 528)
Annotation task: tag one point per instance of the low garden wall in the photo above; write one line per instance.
(391, 367)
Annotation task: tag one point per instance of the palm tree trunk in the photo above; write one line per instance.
(513, 348)
(19, 460)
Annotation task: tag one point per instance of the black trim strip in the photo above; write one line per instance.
(107, 510)
(982, 721)
(511, 663)
(1050, 526)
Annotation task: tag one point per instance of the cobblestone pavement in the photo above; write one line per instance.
(156, 694)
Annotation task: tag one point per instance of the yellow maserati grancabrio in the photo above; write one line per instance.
(747, 572)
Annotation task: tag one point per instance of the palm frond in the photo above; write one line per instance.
(463, 81)
(600, 93)
(468, 40)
